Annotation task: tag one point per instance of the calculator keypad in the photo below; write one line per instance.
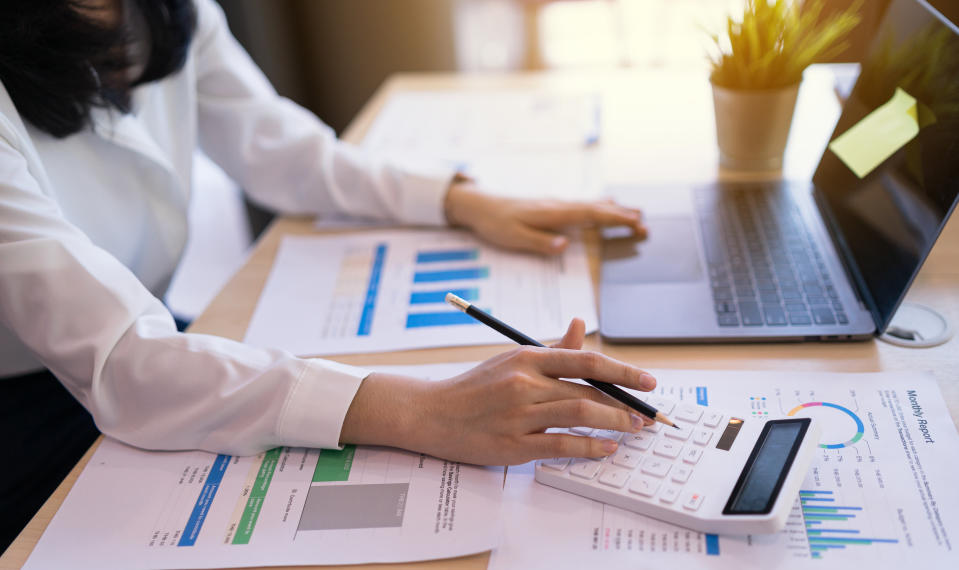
(657, 462)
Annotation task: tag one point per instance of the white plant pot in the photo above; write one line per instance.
(752, 126)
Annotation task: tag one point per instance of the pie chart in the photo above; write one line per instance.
(860, 428)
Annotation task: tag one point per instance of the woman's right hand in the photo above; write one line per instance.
(497, 413)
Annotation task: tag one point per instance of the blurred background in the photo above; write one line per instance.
(331, 55)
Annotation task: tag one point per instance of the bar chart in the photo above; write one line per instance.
(437, 273)
(386, 291)
(830, 526)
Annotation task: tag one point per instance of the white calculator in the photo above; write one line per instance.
(718, 473)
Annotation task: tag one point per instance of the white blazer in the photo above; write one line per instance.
(93, 225)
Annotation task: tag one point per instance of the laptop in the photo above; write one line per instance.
(826, 260)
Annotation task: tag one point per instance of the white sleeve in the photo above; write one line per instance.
(283, 156)
(114, 346)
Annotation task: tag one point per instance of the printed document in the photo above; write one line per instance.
(525, 142)
(383, 291)
(881, 494)
(133, 509)
(431, 122)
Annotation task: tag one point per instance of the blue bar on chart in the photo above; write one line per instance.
(712, 544)
(701, 398)
(203, 502)
(447, 255)
(421, 297)
(372, 290)
(451, 274)
(438, 319)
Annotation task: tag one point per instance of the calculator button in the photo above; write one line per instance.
(646, 486)
(614, 477)
(692, 455)
(670, 494)
(689, 413)
(681, 434)
(653, 427)
(681, 473)
(692, 501)
(667, 448)
(662, 404)
(608, 434)
(712, 419)
(582, 430)
(557, 463)
(627, 458)
(585, 469)
(702, 436)
(640, 441)
(656, 467)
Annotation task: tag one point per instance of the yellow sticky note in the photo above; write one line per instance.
(868, 143)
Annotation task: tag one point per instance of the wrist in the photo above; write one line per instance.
(387, 410)
(460, 196)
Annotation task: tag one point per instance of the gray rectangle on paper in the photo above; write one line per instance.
(330, 507)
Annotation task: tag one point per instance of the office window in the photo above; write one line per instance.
(655, 33)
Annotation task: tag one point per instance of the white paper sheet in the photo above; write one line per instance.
(432, 122)
(135, 509)
(522, 143)
(892, 456)
(382, 291)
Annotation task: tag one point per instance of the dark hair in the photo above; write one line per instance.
(57, 62)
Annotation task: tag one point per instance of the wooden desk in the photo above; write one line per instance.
(674, 111)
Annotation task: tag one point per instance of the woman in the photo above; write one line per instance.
(102, 105)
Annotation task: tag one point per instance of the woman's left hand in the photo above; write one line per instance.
(530, 225)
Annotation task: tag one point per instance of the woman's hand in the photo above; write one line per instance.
(530, 225)
(497, 413)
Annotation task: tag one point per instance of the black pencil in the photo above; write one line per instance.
(513, 334)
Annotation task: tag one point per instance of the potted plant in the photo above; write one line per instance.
(756, 69)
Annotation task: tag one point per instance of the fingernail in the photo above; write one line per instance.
(638, 422)
(647, 381)
(558, 243)
(609, 446)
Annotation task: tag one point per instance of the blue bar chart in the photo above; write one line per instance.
(441, 271)
(830, 526)
(386, 291)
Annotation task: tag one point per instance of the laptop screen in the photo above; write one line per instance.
(890, 175)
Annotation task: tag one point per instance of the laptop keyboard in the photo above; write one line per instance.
(763, 266)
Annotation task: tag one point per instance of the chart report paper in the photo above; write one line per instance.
(882, 493)
(385, 291)
(136, 509)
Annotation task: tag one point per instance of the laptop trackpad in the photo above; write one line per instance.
(670, 254)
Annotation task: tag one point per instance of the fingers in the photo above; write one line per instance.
(564, 214)
(582, 412)
(530, 239)
(542, 445)
(564, 363)
(573, 339)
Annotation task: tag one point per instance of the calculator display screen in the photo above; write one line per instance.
(759, 483)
